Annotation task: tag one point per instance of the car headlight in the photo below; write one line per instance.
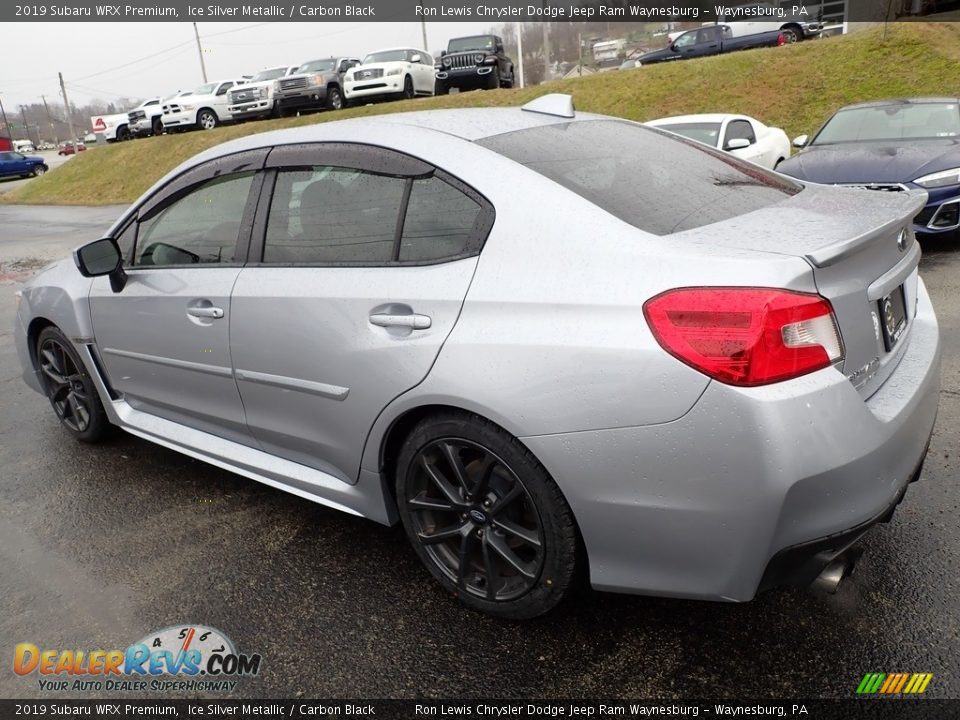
(492, 60)
(395, 71)
(447, 62)
(188, 107)
(315, 80)
(276, 85)
(940, 179)
(263, 92)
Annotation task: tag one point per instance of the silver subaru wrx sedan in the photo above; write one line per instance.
(553, 345)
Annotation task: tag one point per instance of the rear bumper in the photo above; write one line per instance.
(701, 506)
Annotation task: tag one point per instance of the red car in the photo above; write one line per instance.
(69, 149)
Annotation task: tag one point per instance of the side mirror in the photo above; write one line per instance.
(800, 141)
(102, 257)
(415, 58)
(442, 53)
(737, 144)
(499, 48)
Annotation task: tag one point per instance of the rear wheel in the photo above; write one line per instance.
(206, 120)
(485, 517)
(69, 387)
(792, 34)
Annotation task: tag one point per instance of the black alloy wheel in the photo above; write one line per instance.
(485, 517)
(69, 388)
(408, 91)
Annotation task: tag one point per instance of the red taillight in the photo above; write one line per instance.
(781, 40)
(746, 336)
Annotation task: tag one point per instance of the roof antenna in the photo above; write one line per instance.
(557, 104)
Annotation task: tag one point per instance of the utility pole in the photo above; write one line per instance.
(423, 28)
(6, 125)
(66, 104)
(520, 49)
(203, 68)
(53, 129)
(580, 54)
(26, 127)
(546, 48)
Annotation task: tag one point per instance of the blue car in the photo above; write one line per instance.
(892, 145)
(14, 163)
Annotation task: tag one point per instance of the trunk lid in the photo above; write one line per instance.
(862, 251)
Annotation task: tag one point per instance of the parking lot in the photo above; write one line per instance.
(100, 545)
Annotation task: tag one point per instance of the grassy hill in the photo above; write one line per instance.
(794, 87)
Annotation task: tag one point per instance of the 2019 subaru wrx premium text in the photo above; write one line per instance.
(633, 375)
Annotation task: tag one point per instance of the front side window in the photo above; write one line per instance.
(333, 215)
(686, 40)
(201, 227)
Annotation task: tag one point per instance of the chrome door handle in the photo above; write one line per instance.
(205, 312)
(414, 322)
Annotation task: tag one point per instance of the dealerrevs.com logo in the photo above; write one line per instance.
(187, 658)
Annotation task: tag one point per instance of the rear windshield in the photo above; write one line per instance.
(655, 182)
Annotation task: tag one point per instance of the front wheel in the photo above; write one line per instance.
(206, 120)
(485, 517)
(334, 99)
(407, 88)
(69, 387)
(493, 79)
(440, 88)
(39, 170)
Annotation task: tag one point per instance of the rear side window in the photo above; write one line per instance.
(439, 223)
(333, 215)
(657, 183)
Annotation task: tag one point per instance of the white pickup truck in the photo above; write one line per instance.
(144, 119)
(111, 127)
(204, 108)
(255, 99)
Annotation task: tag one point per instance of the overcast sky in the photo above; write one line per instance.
(111, 60)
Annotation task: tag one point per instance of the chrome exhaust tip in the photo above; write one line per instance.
(833, 574)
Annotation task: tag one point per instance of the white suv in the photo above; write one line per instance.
(396, 73)
(204, 108)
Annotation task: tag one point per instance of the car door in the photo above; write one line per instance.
(6, 164)
(365, 259)
(164, 338)
(221, 100)
(426, 77)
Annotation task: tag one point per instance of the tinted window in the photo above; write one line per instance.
(657, 183)
(201, 227)
(704, 132)
(333, 215)
(439, 221)
(891, 122)
(126, 241)
(740, 129)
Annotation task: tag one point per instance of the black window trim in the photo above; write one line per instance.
(358, 156)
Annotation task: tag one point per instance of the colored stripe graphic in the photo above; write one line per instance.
(894, 683)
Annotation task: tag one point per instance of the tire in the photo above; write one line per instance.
(440, 88)
(493, 79)
(408, 91)
(123, 134)
(157, 127)
(496, 506)
(792, 34)
(334, 98)
(69, 388)
(207, 119)
(508, 84)
(39, 170)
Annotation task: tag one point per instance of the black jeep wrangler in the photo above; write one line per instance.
(474, 62)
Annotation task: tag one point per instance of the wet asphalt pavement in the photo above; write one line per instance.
(101, 545)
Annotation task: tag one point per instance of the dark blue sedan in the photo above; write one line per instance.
(14, 163)
(892, 145)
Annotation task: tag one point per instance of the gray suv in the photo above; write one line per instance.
(317, 84)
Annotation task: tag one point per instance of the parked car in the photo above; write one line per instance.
(589, 397)
(255, 99)
(891, 146)
(16, 163)
(24, 146)
(796, 24)
(712, 40)
(71, 148)
(316, 84)
(391, 74)
(740, 135)
(145, 119)
(473, 62)
(204, 108)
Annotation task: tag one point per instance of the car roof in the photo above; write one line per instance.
(390, 49)
(901, 101)
(702, 117)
